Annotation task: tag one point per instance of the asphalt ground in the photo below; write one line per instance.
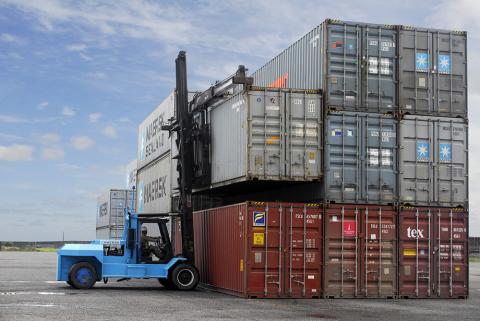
(28, 291)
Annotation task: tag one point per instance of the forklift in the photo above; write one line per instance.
(82, 265)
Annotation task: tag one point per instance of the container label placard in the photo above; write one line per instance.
(444, 64)
(422, 62)
(445, 152)
(258, 218)
(409, 252)
(423, 151)
(258, 238)
(349, 228)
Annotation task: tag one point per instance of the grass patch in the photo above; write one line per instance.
(46, 249)
(474, 259)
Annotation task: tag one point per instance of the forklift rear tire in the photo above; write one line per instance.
(167, 284)
(185, 277)
(82, 275)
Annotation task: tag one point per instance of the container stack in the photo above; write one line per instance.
(110, 212)
(390, 192)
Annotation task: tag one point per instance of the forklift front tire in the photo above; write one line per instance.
(185, 277)
(167, 284)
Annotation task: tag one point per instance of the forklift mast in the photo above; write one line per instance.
(193, 139)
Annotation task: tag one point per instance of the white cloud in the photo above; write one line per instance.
(123, 120)
(94, 117)
(9, 137)
(16, 152)
(49, 138)
(110, 132)
(6, 37)
(66, 166)
(12, 119)
(42, 105)
(52, 154)
(82, 142)
(76, 47)
(68, 111)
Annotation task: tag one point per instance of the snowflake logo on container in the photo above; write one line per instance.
(445, 152)
(140, 197)
(421, 62)
(423, 151)
(444, 65)
(141, 147)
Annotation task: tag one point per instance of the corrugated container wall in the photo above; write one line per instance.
(109, 233)
(433, 161)
(356, 65)
(266, 250)
(433, 252)
(131, 174)
(154, 186)
(360, 251)
(111, 204)
(360, 158)
(267, 135)
(433, 72)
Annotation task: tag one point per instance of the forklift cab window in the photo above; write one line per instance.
(152, 247)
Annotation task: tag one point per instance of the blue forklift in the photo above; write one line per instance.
(82, 265)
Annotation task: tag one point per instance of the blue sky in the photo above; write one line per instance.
(78, 77)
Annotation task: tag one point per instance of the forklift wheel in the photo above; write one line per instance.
(167, 284)
(82, 275)
(185, 277)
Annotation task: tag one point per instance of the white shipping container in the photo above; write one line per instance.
(111, 204)
(131, 174)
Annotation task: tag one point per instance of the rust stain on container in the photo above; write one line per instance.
(257, 249)
(360, 251)
(433, 252)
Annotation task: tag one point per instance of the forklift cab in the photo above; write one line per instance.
(148, 240)
(151, 240)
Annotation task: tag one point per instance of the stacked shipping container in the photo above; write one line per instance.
(110, 212)
(395, 171)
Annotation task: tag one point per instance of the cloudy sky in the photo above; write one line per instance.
(77, 78)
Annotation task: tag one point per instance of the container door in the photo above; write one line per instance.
(450, 254)
(379, 246)
(416, 161)
(450, 65)
(266, 148)
(343, 66)
(416, 80)
(342, 157)
(265, 259)
(380, 167)
(416, 262)
(303, 136)
(303, 251)
(379, 84)
(342, 252)
(451, 159)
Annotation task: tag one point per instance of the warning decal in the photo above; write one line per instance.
(258, 238)
(349, 228)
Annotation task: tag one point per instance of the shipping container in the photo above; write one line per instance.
(111, 205)
(354, 63)
(264, 250)
(131, 175)
(360, 158)
(266, 134)
(432, 72)
(433, 252)
(360, 251)
(433, 161)
(154, 187)
(154, 142)
(109, 232)
(176, 235)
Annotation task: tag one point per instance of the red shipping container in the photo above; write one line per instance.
(256, 249)
(360, 251)
(433, 252)
(176, 235)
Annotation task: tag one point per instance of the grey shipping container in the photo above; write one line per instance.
(267, 134)
(109, 232)
(433, 72)
(153, 142)
(154, 186)
(433, 161)
(111, 204)
(131, 174)
(354, 63)
(360, 158)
